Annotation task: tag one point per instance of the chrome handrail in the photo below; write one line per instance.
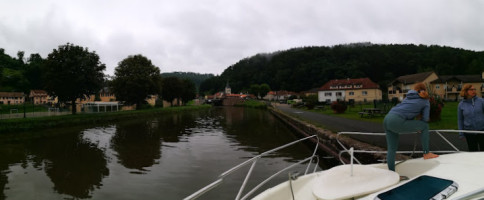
(438, 132)
(471, 195)
(277, 173)
(254, 161)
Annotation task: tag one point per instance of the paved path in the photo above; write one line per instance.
(332, 123)
(338, 124)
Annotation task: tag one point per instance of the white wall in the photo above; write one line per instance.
(322, 97)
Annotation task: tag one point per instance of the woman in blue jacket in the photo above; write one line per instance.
(401, 120)
(470, 116)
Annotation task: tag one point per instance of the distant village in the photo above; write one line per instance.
(364, 90)
(353, 90)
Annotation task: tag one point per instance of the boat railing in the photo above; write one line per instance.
(471, 195)
(438, 132)
(253, 162)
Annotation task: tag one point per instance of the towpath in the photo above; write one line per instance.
(332, 123)
(339, 124)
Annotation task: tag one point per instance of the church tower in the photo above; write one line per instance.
(227, 89)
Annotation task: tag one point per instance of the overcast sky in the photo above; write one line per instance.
(207, 36)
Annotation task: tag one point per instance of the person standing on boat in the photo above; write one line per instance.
(470, 116)
(401, 120)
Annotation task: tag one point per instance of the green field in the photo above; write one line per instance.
(29, 107)
(448, 115)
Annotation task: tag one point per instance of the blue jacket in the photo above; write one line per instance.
(470, 114)
(412, 106)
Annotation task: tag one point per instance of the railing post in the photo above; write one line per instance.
(245, 180)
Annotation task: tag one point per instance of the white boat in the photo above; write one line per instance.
(453, 175)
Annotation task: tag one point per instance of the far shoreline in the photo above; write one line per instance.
(40, 123)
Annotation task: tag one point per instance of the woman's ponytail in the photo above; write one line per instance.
(423, 94)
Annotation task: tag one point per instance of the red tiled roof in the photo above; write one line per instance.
(233, 95)
(281, 92)
(349, 84)
(11, 94)
(39, 91)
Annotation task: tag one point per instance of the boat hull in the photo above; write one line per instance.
(464, 168)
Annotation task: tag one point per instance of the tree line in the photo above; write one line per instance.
(305, 68)
(73, 72)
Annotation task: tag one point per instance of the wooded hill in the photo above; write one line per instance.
(302, 69)
(196, 78)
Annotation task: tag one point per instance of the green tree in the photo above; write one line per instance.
(135, 78)
(20, 56)
(194, 77)
(33, 71)
(255, 90)
(264, 89)
(72, 72)
(188, 91)
(172, 87)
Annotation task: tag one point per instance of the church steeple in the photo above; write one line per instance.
(228, 90)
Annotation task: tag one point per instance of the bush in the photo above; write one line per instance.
(436, 105)
(339, 106)
(310, 101)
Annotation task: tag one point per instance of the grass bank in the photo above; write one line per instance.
(19, 108)
(253, 104)
(27, 124)
(448, 115)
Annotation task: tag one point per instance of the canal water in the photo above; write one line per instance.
(165, 157)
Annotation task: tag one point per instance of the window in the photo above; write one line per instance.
(338, 94)
(351, 93)
(364, 93)
(327, 94)
(437, 86)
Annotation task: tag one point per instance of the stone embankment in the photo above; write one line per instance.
(327, 139)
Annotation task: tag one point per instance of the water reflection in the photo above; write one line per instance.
(163, 157)
(258, 131)
(137, 145)
(75, 166)
(70, 165)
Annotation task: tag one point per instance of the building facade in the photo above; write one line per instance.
(356, 90)
(400, 86)
(449, 87)
(12, 98)
(41, 97)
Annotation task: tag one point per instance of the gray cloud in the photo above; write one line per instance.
(208, 36)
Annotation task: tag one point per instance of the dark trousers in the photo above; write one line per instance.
(475, 142)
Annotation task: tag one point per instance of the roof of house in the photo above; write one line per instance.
(349, 84)
(233, 95)
(37, 92)
(11, 94)
(459, 78)
(413, 78)
(281, 93)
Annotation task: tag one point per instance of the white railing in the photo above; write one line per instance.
(352, 151)
(471, 195)
(253, 161)
(438, 132)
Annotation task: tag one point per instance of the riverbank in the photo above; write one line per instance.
(28, 124)
(326, 126)
(327, 138)
(253, 104)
